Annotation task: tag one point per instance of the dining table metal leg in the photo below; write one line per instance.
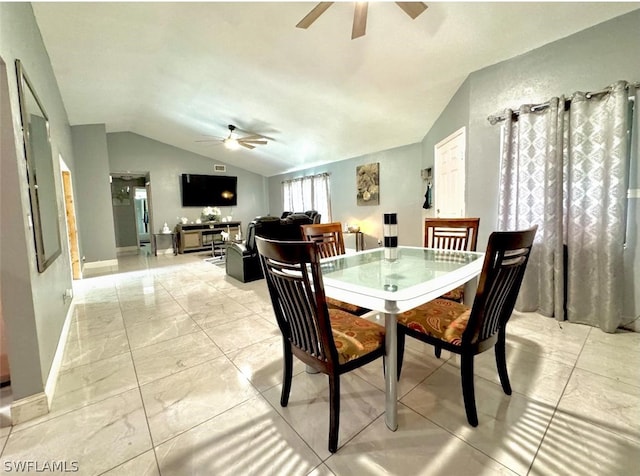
(391, 371)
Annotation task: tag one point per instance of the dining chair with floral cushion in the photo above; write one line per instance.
(468, 331)
(331, 341)
(329, 239)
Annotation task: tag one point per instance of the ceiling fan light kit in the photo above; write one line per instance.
(413, 9)
(233, 142)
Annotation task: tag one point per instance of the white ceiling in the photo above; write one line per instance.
(176, 72)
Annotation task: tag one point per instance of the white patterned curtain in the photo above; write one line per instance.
(567, 172)
(308, 193)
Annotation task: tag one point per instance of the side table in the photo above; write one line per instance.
(174, 242)
(354, 240)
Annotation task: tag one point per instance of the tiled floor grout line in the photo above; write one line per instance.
(122, 463)
(261, 396)
(144, 408)
(527, 397)
(6, 441)
(442, 362)
(58, 414)
(555, 409)
(366, 426)
(226, 356)
(287, 422)
(459, 437)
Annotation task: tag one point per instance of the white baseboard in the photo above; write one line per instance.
(52, 378)
(125, 249)
(37, 405)
(28, 408)
(101, 264)
(167, 251)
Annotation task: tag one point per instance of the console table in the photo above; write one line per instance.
(200, 236)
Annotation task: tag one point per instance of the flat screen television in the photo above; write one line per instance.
(209, 190)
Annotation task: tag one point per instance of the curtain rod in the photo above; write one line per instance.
(495, 118)
(322, 174)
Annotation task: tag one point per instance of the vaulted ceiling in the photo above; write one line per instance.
(177, 72)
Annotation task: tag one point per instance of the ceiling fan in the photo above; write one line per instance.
(233, 142)
(413, 9)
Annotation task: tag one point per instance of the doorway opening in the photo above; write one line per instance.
(130, 199)
(70, 214)
(141, 208)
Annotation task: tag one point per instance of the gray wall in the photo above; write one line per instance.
(588, 60)
(132, 153)
(401, 191)
(454, 116)
(32, 304)
(18, 311)
(91, 180)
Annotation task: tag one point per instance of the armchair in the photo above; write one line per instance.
(243, 262)
(314, 215)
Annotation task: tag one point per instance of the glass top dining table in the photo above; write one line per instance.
(416, 276)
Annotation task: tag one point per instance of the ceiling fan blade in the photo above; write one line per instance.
(413, 9)
(248, 146)
(253, 141)
(359, 20)
(209, 140)
(251, 137)
(313, 15)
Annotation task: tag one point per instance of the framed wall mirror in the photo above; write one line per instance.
(40, 172)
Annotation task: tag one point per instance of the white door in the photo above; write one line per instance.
(449, 165)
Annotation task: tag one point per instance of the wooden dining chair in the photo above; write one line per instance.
(470, 331)
(328, 237)
(331, 341)
(452, 234)
(330, 242)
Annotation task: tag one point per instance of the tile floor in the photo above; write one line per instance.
(172, 368)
